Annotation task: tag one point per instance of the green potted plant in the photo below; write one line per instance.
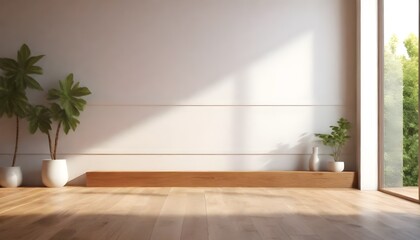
(67, 103)
(16, 78)
(336, 140)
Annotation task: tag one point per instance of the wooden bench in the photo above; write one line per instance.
(305, 179)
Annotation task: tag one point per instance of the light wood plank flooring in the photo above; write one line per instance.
(205, 213)
(412, 192)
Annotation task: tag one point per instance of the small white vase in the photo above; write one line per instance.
(54, 172)
(314, 160)
(10, 177)
(335, 166)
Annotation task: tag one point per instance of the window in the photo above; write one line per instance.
(399, 40)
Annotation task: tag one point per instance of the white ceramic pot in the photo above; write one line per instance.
(335, 166)
(10, 177)
(54, 172)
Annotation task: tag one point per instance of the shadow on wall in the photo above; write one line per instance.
(192, 54)
(302, 160)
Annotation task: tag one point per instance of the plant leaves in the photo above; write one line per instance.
(337, 138)
(35, 70)
(32, 60)
(19, 71)
(8, 64)
(23, 53)
(68, 102)
(69, 96)
(39, 117)
(32, 83)
(13, 100)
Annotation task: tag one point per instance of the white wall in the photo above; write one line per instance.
(189, 85)
(367, 116)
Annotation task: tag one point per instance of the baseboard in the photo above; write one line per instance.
(223, 179)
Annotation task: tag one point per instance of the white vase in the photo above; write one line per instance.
(335, 166)
(54, 172)
(10, 177)
(314, 160)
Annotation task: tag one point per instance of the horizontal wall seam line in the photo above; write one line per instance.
(166, 154)
(208, 105)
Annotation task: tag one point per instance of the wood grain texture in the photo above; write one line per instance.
(223, 179)
(205, 214)
(410, 195)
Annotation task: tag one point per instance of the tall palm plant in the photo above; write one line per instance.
(17, 77)
(67, 103)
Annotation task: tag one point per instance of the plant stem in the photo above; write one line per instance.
(56, 141)
(338, 153)
(49, 144)
(16, 142)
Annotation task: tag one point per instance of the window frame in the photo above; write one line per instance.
(381, 49)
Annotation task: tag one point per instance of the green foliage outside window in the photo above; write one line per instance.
(410, 110)
(401, 74)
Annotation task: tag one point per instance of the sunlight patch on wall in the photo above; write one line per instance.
(283, 76)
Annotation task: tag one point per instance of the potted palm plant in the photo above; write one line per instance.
(336, 140)
(17, 77)
(67, 103)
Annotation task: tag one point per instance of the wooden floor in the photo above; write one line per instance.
(412, 192)
(205, 213)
